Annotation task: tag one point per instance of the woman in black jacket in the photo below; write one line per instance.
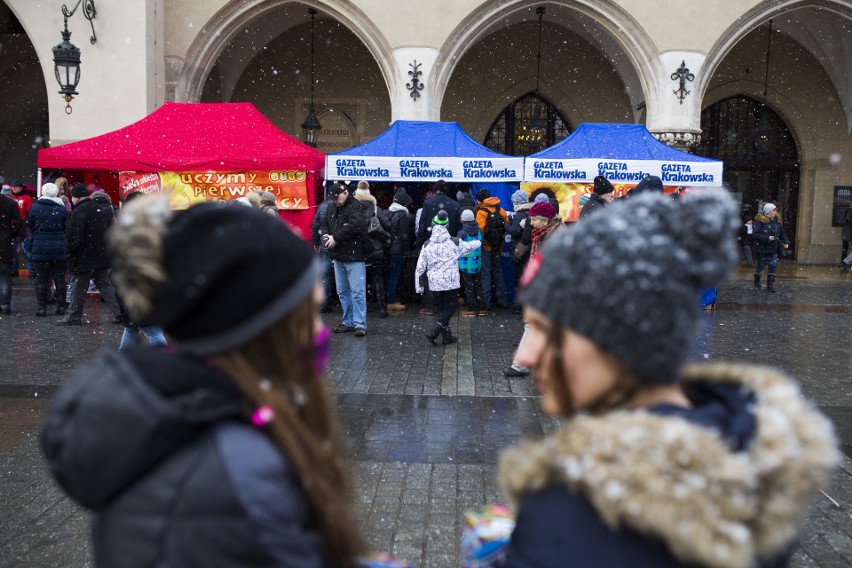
(397, 222)
(220, 450)
(46, 222)
(657, 464)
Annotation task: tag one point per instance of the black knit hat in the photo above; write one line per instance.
(630, 281)
(231, 273)
(648, 183)
(482, 195)
(402, 198)
(602, 186)
(79, 190)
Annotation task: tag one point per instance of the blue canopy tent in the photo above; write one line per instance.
(419, 151)
(623, 153)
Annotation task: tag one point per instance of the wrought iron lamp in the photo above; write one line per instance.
(537, 125)
(66, 55)
(763, 131)
(311, 126)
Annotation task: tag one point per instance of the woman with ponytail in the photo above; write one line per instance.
(658, 463)
(221, 449)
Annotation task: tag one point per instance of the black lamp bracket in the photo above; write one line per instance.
(89, 12)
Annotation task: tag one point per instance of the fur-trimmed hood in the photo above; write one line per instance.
(523, 207)
(668, 478)
(762, 218)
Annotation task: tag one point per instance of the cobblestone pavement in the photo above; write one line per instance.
(425, 423)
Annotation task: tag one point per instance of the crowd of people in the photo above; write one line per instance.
(224, 448)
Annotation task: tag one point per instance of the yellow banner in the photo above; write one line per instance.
(184, 189)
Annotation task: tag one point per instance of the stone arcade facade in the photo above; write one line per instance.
(602, 61)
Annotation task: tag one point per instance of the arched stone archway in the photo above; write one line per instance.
(607, 26)
(224, 27)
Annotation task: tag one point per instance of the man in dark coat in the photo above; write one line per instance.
(86, 244)
(10, 228)
(343, 232)
(325, 258)
(396, 221)
(440, 202)
(602, 195)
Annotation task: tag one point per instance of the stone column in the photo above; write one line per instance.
(411, 98)
(674, 113)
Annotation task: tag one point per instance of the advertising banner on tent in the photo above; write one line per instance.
(184, 189)
(584, 170)
(386, 168)
(572, 196)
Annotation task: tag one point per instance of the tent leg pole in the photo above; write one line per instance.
(38, 182)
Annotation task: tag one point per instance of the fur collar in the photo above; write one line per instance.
(523, 207)
(762, 218)
(667, 478)
(366, 197)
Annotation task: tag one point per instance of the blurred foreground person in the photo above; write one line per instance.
(220, 450)
(658, 464)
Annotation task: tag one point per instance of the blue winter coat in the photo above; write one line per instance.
(764, 227)
(46, 222)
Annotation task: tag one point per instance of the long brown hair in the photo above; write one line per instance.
(274, 369)
(625, 387)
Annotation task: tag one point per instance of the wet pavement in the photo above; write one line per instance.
(427, 423)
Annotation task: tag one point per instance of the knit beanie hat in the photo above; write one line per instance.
(441, 218)
(467, 216)
(79, 190)
(542, 210)
(769, 208)
(630, 281)
(50, 190)
(520, 197)
(440, 186)
(363, 184)
(482, 195)
(402, 198)
(602, 186)
(363, 189)
(541, 198)
(213, 276)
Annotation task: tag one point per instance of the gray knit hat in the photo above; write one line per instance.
(520, 197)
(630, 281)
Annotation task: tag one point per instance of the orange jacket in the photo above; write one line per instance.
(482, 214)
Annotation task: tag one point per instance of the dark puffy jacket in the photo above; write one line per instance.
(156, 444)
(440, 202)
(594, 203)
(316, 224)
(10, 226)
(397, 223)
(46, 222)
(764, 227)
(348, 225)
(85, 234)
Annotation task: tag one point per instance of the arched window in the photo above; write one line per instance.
(756, 170)
(511, 133)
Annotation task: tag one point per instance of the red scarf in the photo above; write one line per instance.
(538, 235)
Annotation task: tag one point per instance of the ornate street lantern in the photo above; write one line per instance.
(66, 55)
(311, 126)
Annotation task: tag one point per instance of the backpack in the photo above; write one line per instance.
(495, 228)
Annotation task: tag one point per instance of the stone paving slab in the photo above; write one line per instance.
(426, 423)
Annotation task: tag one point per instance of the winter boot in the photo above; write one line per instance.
(433, 335)
(757, 281)
(61, 307)
(770, 283)
(447, 337)
(41, 311)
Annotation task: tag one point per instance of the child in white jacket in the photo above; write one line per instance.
(438, 261)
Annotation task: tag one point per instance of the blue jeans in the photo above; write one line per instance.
(130, 336)
(327, 272)
(5, 284)
(396, 262)
(770, 260)
(351, 280)
(492, 269)
(16, 246)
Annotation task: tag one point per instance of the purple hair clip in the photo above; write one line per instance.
(262, 416)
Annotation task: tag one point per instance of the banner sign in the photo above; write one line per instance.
(289, 187)
(691, 174)
(383, 168)
(572, 196)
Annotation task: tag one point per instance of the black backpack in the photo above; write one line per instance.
(495, 228)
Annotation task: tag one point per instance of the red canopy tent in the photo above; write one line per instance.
(198, 137)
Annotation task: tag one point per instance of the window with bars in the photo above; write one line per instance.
(511, 132)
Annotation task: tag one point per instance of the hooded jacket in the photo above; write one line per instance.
(489, 204)
(157, 445)
(347, 223)
(724, 484)
(763, 228)
(439, 260)
(396, 220)
(46, 222)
